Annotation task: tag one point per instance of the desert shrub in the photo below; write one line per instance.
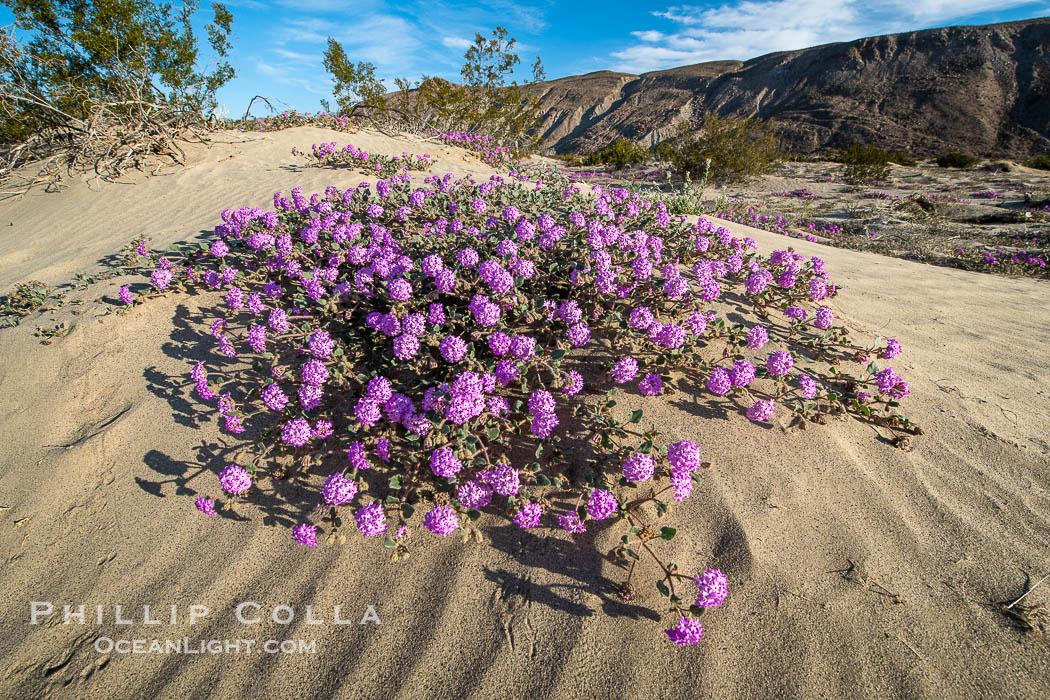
(105, 85)
(954, 159)
(467, 354)
(355, 86)
(1041, 163)
(665, 152)
(863, 164)
(487, 102)
(901, 158)
(619, 154)
(729, 148)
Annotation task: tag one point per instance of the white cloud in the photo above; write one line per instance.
(752, 28)
(455, 42)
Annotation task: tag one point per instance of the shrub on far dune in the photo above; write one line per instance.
(729, 149)
(620, 154)
(955, 159)
(1040, 163)
(864, 164)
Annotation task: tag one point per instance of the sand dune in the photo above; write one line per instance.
(855, 568)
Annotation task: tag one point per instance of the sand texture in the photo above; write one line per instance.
(856, 568)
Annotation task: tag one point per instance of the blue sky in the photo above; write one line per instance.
(278, 43)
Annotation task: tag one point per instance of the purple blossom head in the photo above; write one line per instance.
(399, 289)
(687, 631)
(761, 410)
(296, 432)
(499, 343)
(528, 515)
(406, 347)
(713, 588)
(356, 456)
(441, 520)
(601, 504)
(235, 480)
(573, 383)
(742, 374)
(125, 295)
(624, 370)
(205, 505)
(453, 349)
(338, 490)
(684, 455)
(523, 347)
(638, 467)
(757, 337)
(444, 463)
(719, 383)
(502, 478)
(305, 534)
(893, 348)
(824, 318)
(367, 411)
(314, 372)
(682, 481)
(650, 385)
(371, 520)
(543, 424)
(780, 363)
(641, 318)
(808, 386)
(579, 334)
(541, 401)
(321, 344)
(379, 389)
(474, 494)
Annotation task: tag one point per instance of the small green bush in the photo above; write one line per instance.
(902, 158)
(954, 159)
(864, 164)
(728, 148)
(1042, 162)
(619, 154)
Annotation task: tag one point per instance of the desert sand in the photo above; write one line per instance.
(856, 568)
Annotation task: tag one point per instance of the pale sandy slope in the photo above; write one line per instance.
(102, 452)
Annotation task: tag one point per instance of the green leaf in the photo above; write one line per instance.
(395, 481)
(473, 514)
(407, 511)
(633, 553)
(696, 610)
(542, 480)
(389, 542)
(557, 354)
(668, 533)
(636, 416)
(662, 587)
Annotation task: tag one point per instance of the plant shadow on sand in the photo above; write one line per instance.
(576, 559)
(283, 503)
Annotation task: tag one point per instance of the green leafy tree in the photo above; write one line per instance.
(83, 53)
(355, 84)
(105, 85)
(488, 101)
